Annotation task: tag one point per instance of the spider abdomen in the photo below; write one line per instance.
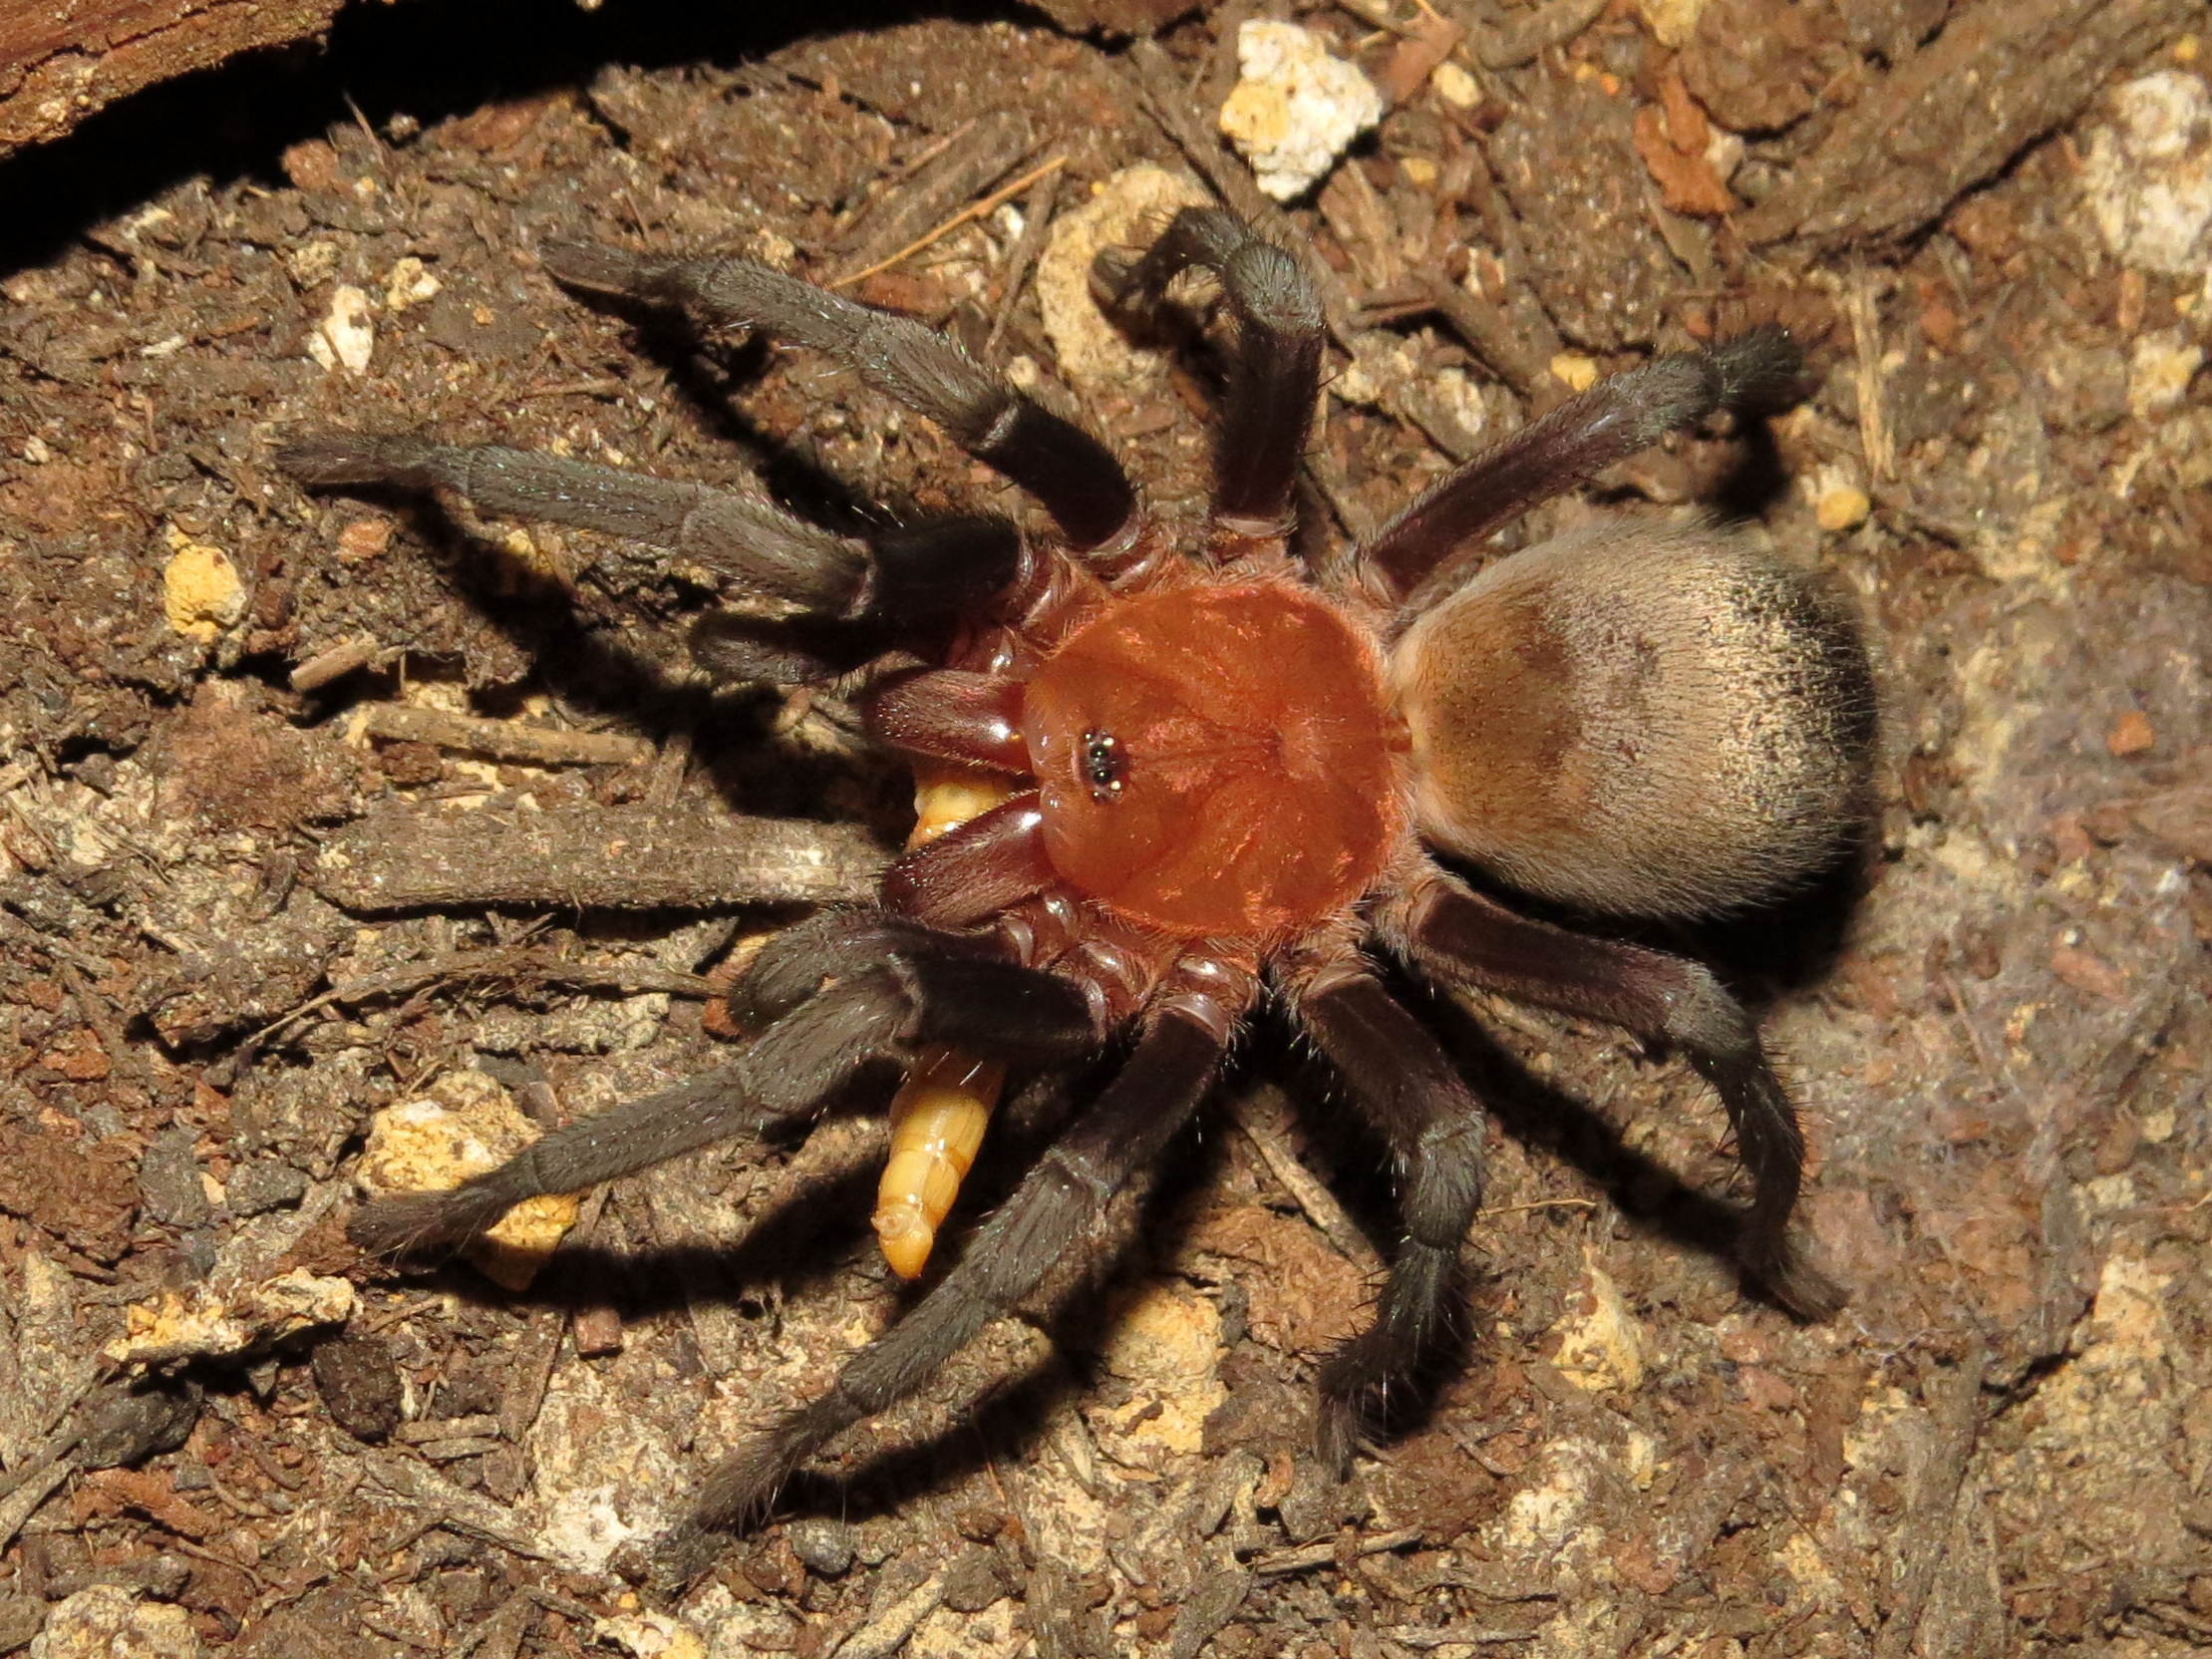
(1648, 720)
(1216, 760)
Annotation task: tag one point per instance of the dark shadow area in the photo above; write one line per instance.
(593, 669)
(1760, 479)
(423, 61)
(1645, 1192)
(1757, 950)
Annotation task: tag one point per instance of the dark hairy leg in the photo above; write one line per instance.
(926, 571)
(1121, 1134)
(1462, 938)
(1620, 416)
(1074, 476)
(1274, 365)
(1405, 1086)
(884, 1009)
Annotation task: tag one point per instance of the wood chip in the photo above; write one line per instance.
(683, 859)
(2000, 75)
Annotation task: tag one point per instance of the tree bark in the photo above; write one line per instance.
(61, 62)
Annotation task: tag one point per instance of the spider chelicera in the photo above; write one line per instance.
(1165, 771)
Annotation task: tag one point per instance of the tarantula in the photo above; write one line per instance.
(1175, 771)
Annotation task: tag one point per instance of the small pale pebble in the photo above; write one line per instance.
(203, 594)
(1574, 371)
(1601, 1345)
(1295, 108)
(1724, 154)
(652, 1636)
(1672, 22)
(1838, 504)
(410, 283)
(312, 263)
(347, 335)
(1455, 86)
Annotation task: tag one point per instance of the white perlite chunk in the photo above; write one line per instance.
(347, 335)
(110, 1622)
(2149, 178)
(1295, 109)
(1125, 212)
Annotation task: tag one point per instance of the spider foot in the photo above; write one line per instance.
(333, 459)
(676, 1560)
(1763, 372)
(596, 268)
(406, 1223)
(1376, 1372)
(1793, 1280)
(1349, 1416)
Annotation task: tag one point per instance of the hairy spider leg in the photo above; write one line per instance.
(1617, 418)
(1069, 471)
(890, 1003)
(1406, 1087)
(940, 1112)
(1061, 1200)
(1274, 363)
(1462, 938)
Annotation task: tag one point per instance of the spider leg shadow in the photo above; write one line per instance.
(1648, 1192)
(803, 1239)
(786, 1244)
(1791, 942)
(705, 369)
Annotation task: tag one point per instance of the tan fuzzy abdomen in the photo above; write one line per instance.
(1643, 719)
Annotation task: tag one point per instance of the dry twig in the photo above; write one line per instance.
(1919, 1547)
(1263, 1116)
(974, 211)
(501, 740)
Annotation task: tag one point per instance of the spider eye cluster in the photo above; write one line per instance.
(1104, 764)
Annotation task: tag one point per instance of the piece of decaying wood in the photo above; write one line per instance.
(964, 169)
(1918, 1547)
(1487, 332)
(593, 858)
(430, 1494)
(1037, 218)
(500, 740)
(61, 64)
(2001, 75)
(334, 662)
